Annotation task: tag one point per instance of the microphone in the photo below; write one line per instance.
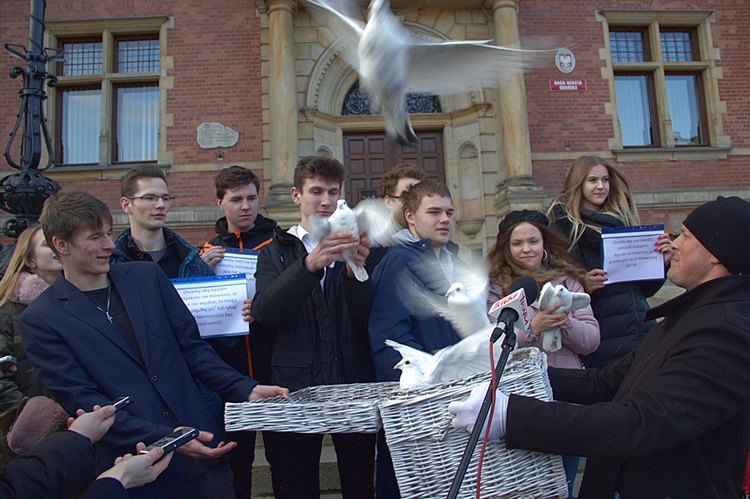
(512, 311)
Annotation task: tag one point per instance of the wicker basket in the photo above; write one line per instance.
(426, 450)
(317, 409)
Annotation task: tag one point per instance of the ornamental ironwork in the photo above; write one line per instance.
(23, 193)
(357, 103)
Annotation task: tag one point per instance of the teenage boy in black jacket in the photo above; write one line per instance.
(243, 228)
(319, 312)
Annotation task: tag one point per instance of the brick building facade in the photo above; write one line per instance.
(275, 74)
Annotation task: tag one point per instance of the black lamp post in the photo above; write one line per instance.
(23, 193)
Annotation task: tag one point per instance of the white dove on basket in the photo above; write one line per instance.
(469, 356)
(392, 62)
(369, 215)
(559, 295)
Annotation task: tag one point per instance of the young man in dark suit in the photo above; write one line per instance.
(101, 332)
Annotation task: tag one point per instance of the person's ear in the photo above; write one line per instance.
(295, 196)
(390, 202)
(220, 203)
(125, 205)
(61, 246)
(409, 217)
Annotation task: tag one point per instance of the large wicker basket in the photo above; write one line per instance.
(426, 450)
(317, 409)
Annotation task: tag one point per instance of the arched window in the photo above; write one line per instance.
(356, 103)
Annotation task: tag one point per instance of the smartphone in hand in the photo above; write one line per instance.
(121, 402)
(7, 361)
(180, 437)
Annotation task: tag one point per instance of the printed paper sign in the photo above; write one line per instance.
(628, 253)
(216, 303)
(237, 261)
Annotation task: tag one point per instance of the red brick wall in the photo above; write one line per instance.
(557, 117)
(216, 51)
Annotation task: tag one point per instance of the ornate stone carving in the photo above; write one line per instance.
(470, 226)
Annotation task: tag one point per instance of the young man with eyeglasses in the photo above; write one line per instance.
(146, 201)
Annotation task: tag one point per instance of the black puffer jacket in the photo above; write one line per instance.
(251, 239)
(620, 308)
(321, 337)
(259, 343)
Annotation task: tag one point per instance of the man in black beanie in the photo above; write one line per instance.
(672, 418)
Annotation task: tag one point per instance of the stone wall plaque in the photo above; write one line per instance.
(212, 134)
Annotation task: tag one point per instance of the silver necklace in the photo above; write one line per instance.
(109, 297)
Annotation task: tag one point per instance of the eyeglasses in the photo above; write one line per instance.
(152, 198)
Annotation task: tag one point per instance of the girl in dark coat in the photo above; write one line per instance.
(597, 195)
(32, 268)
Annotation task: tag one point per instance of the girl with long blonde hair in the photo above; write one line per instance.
(32, 268)
(595, 195)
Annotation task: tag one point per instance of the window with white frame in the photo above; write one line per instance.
(661, 61)
(107, 99)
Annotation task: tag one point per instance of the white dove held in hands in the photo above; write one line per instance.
(559, 295)
(344, 220)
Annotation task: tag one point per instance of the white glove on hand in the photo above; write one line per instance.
(466, 412)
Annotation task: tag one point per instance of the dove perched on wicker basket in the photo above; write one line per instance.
(469, 356)
(559, 296)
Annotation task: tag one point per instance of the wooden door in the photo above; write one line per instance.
(367, 156)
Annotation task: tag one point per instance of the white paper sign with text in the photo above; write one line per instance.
(237, 261)
(628, 253)
(216, 303)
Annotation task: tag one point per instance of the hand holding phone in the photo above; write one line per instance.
(121, 402)
(180, 437)
(7, 361)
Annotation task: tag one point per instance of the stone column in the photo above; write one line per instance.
(518, 190)
(282, 96)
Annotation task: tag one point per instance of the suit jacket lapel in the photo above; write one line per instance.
(134, 305)
(79, 306)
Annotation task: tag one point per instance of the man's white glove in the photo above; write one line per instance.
(466, 412)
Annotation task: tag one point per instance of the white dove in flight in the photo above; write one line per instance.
(551, 296)
(392, 62)
(466, 311)
(468, 356)
(464, 304)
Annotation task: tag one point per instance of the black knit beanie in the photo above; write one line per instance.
(518, 216)
(723, 228)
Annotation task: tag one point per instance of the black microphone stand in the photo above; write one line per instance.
(509, 343)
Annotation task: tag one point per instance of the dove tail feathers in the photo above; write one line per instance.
(359, 272)
(404, 136)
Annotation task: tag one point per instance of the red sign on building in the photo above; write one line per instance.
(569, 85)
